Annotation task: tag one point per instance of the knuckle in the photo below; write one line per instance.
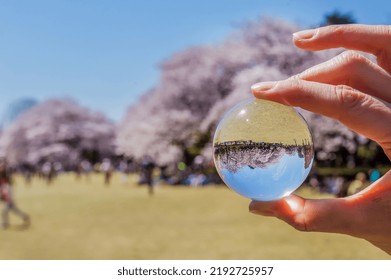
(336, 30)
(298, 222)
(295, 77)
(298, 225)
(293, 86)
(352, 100)
(352, 60)
(348, 97)
(343, 31)
(295, 83)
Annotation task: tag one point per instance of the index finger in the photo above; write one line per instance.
(374, 39)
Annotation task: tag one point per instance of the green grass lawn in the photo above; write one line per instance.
(86, 220)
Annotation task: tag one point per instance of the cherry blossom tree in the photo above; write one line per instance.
(56, 130)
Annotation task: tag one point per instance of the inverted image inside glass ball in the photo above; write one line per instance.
(263, 150)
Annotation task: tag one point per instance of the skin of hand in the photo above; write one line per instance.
(356, 92)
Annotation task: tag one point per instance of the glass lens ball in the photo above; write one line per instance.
(263, 150)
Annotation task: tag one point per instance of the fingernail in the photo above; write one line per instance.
(262, 87)
(305, 34)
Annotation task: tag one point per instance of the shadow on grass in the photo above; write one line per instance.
(18, 227)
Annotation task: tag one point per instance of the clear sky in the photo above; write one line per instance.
(105, 53)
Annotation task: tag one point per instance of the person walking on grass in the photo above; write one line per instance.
(6, 197)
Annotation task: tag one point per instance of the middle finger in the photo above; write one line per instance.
(352, 69)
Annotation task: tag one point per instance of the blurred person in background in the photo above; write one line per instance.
(146, 173)
(357, 92)
(107, 168)
(6, 197)
(358, 184)
(48, 172)
(123, 168)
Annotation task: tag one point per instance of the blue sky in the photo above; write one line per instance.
(105, 53)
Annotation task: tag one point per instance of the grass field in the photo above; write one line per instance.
(86, 220)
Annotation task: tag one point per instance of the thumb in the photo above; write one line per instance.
(323, 215)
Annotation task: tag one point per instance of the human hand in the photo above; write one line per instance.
(357, 92)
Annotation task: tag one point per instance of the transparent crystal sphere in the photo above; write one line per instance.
(263, 150)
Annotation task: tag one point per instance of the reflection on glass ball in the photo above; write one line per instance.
(263, 150)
